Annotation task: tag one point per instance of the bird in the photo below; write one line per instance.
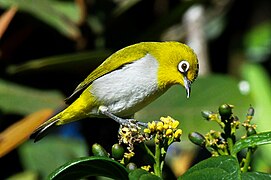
(126, 82)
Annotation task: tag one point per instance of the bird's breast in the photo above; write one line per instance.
(125, 91)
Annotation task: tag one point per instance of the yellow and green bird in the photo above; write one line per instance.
(127, 81)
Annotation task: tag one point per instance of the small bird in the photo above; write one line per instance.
(127, 81)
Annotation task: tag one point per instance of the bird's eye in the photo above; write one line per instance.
(183, 66)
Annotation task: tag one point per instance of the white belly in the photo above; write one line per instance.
(127, 90)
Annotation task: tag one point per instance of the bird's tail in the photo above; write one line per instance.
(44, 129)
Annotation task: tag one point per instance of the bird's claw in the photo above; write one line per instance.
(124, 122)
(133, 123)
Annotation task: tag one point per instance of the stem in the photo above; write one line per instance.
(148, 151)
(222, 152)
(157, 164)
(247, 160)
(230, 137)
(230, 145)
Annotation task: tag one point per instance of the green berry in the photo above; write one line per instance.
(251, 131)
(225, 111)
(197, 138)
(117, 151)
(98, 150)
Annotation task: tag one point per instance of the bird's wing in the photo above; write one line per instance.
(115, 61)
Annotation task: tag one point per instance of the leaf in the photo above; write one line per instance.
(5, 19)
(19, 132)
(47, 155)
(24, 100)
(64, 62)
(221, 167)
(90, 166)
(124, 6)
(255, 176)
(257, 42)
(62, 15)
(258, 80)
(30, 175)
(140, 174)
(260, 90)
(252, 141)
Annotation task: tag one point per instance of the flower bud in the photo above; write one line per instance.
(225, 111)
(117, 151)
(197, 138)
(250, 111)
(206, 114)
(98, 150)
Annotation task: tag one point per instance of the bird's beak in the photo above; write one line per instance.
(187, 85)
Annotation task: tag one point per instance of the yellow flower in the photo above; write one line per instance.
(146, 168)
(165, 120)
(175, 124)
(169, 132)
(152, 126)
(128, 155)
(148, 131)
(178, 133)
(159, 126)
(213, 117)
(165, 126)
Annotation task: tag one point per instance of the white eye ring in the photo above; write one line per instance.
(183, 66)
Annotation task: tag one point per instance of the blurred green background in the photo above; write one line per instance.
(47, 47)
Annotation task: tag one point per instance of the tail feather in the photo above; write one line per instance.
(43, 130)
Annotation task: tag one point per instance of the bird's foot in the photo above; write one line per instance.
(124, 122)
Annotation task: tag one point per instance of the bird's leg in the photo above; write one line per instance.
(125, 122)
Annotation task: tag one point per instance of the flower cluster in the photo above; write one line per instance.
(250, 128)
(164, 132)
(166, 127)
(221, 142)
(130, 135)
(215, 143)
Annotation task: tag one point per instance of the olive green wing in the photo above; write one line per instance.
(115, 61)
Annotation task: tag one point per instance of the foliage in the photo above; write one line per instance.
(223, 145)
(90, 166)
(49, 46)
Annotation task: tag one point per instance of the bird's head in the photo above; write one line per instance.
(178, 64)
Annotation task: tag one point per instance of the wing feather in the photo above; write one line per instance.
(115, 61)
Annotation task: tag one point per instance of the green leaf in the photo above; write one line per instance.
(258, 42)
(258, 80)
(23, 100)
(50, 153)
(140, 174)
(83, 61)
(90, 166)
(252, 141)
(255, 176)
(123, 6)
(221, 167)
(62, 15)
(259, 83)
